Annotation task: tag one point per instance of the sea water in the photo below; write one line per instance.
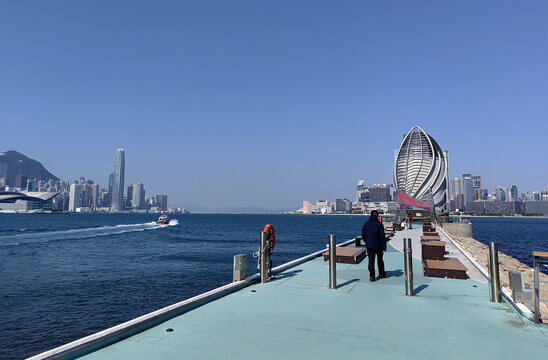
(63, 277)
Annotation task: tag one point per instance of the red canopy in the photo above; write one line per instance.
(407, 201)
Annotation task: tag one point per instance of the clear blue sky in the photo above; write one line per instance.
(269, 103)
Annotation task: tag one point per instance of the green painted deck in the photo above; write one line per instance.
(296, 316)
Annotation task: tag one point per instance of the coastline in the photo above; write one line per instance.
(480, 252)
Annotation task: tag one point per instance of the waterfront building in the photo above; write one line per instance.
(467, 188)
(74, 197)
(544, 195)
(21, 182)
(3, 170)
(95, 195)
(476, 181)
(343, 205)
(456, 187)
(377, 193)
(129, 197)
(480, 194)
(161, 202)
(420, 168)
(320, 203)
(459, 201)
(360, 189)
(308, 208)
(514, 193)
(138, 197)
(117, 200)
(501, 193)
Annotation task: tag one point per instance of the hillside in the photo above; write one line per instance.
(19, 164)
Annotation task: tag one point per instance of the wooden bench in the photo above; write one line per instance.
(431, 237)
(433, 250)
(430, 233)
(449, 268)
(346, 255)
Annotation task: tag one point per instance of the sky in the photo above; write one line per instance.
(269, 103)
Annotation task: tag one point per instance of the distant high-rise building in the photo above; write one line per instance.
(480, 194)
(308, 208)
(74, 197)
(476, 182)
(138, 197)
(161, 202)
(360, 189)
(21, 181)
(32, 185)
(95, 196)
(117, 200)
(501, 193)
(467, 188)
(514, 193)
(3, 170)
(343, 205)
(129, 196)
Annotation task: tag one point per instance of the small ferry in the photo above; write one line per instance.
(163, 220)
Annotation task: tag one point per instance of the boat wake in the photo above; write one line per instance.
(29, 236)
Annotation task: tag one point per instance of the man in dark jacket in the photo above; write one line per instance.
(375, 241)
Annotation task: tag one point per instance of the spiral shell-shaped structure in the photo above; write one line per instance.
(420, 168)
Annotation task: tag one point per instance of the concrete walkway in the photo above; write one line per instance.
(296, 316)
(451, 251)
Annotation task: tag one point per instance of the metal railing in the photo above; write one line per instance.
(538, 259)
(408, 266)
(494, 277)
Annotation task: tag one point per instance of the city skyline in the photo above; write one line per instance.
(266, 104)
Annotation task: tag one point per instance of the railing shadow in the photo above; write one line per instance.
(420, 288)
(286, 274)
(347, 283)
(394, 273)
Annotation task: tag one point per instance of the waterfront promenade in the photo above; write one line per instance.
(296, 316)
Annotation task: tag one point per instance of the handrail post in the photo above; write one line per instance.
(408, 266)
(536, 267)
(494, 280)
(262, 254)
(332, 262)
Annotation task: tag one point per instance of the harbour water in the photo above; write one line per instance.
(63, 277)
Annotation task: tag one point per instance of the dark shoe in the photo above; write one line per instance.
(382, 276)
(371, 278)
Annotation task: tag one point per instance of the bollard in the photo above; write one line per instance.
(494, 280)
(536, 288)
(332, 262)
(240, 266)
(408, 266)
(262, 254)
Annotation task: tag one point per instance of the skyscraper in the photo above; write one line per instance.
(514, 193)
(74, 197)
(138, 198)
(467, 188)
(161, 202)
(117, 202)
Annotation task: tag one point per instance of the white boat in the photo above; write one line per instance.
(163, 220)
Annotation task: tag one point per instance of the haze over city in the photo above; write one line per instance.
(268, 104)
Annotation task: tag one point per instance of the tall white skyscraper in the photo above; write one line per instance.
(74, 197)
(117, 203)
